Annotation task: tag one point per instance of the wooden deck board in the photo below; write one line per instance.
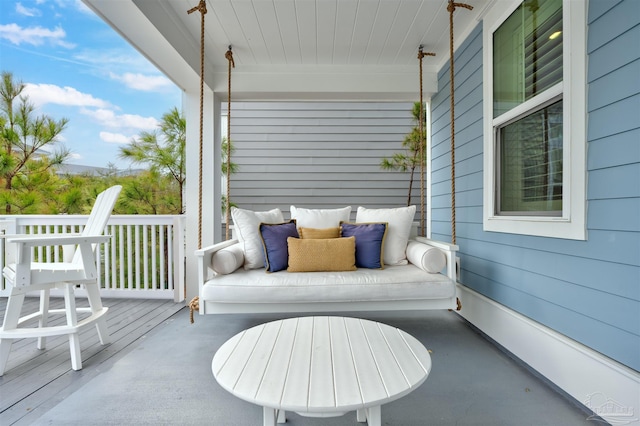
(36, 380)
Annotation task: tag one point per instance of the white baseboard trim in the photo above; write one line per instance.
(603, 385)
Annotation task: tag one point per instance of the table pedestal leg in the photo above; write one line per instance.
(268, 416)
(374, 416)
(271, 416)
(371, 415)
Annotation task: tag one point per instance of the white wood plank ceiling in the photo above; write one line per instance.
(311, 49)
(324, 32)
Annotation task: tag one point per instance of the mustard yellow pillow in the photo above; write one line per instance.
(322, 255)
(319, 233)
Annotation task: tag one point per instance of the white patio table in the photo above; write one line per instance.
(321, 367)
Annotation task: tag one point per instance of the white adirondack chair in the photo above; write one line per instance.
(23, 276)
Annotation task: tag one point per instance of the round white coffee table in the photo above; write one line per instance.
(321, 367)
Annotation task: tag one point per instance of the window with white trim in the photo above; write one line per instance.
(535, 118)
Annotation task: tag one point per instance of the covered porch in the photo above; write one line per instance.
(566, 306)
(157, 371)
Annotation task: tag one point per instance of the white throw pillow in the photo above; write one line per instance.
(399, 222)
(427, 258)
(247, 226)
(320, 218)
(228, 259)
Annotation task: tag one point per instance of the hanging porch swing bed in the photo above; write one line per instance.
(318, 261)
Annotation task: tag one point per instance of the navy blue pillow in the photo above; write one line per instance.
(274, 241)
(369, 242)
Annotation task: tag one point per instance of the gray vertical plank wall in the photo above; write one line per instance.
(318, 155)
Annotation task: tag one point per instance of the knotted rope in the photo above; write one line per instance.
(202, 8)
(451, 7)
(229, 56)
(194, 305)
(423, 142)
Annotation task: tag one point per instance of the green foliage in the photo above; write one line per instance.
(227, 147)
(410, 158)
(224, 148)
(149, 193)
(29, 183)
(164, 152)
(23, 137)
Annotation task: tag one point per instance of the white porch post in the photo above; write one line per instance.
(217, 176)
(211, 217)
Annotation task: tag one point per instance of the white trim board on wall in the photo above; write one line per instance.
(581, 372)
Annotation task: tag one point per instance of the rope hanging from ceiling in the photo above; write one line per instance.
(423, 143)
(451, 7)
(229, 56)
(202, 8)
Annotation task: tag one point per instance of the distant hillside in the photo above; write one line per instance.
(77, 169)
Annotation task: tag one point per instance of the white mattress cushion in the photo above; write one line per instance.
(404, 282)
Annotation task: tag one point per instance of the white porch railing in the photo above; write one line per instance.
(144, 258)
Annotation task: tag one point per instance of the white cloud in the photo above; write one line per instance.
(148, 83)
(109, 118)
(41, 94)
(27, 11)
(36, 36)
(116, 60)
(81, 7)
(118, 138)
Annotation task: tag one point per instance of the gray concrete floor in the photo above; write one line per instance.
(165, 379)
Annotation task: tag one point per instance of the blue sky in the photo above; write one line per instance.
(75, 66)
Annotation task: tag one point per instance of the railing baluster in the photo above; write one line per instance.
(136, 255)
(170, 256)
(162, 268)
(144, 242)
(154, 258)
(121, 242)
(114, 259)
(40, 230)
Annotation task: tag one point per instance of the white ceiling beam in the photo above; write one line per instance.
(326, 83)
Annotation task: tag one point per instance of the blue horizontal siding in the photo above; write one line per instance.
(588, 290)
(600, 271)
(577, 325)
(622, 177)
(597, 8)
(617, 20)
(614, 150)
(512, 266)
(615, 215)
(618, 117)
(606, 90)
(615, 54)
